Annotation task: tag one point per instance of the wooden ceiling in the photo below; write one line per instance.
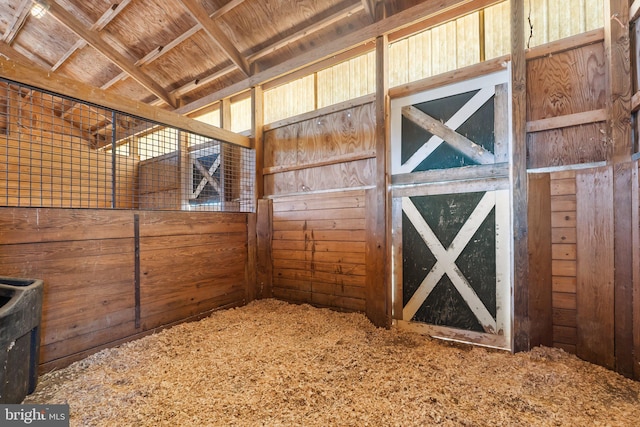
(183, 54)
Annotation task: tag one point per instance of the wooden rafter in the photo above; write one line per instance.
(426, 11)
(92, 38)
(102, 22)
(22, 12)
(217, 35)
(161, 50)
(324, 23)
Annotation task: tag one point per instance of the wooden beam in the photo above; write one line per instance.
(448, 15)
(22, 12)
(67, 87)
(92, 38)
(567, 120)
(521, 326)
(226, 8)
(421, 12)
(217, 35)
(102, 22)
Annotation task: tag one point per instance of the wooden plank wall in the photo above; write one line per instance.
(563, 112)
(592, 207)
(189, 263)
(318, 249)
(564, 262)
(318, 169)
(159, 182)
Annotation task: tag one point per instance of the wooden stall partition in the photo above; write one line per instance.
(328, 151)
(190, 263)
(85, 258)
(318, 168)
(100, 291)
(319, 249)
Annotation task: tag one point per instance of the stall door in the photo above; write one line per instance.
(451, 211)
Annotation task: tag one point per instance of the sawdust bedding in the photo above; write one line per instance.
(275, 364)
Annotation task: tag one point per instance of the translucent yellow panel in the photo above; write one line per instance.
(290, 99)
(241, 115)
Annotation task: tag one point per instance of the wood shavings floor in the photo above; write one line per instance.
(275, 364)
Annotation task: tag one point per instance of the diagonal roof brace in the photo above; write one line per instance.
(91, 37)
(216, 34)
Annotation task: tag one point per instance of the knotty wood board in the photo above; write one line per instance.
(553, 86)
(566, 83)
(595, 273)
(313, 140)
(566, 146)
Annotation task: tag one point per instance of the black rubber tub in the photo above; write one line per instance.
(20, 316)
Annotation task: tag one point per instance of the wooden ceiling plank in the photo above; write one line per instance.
(370, 7)
(316, 26)
(226, 8)
(420, 12)
(11, 53)
(91, 37)
(18, 21)
(102, 22)
(161, 50)
(216, 34)
(17, 72)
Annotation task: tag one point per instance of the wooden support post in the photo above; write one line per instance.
(540, 279)
(521, 327)
(264, 231)
(378, 293)
(186, 182)
(617, 49)
(257, 106)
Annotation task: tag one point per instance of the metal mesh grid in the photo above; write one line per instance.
(61, 152)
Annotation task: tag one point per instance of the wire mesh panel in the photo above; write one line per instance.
(61, 152)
